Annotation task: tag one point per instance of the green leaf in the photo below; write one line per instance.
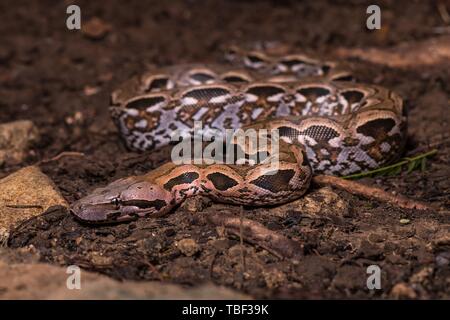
(410, 167)
(423, 165)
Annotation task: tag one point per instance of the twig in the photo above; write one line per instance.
(443, 12)
(24, 206)
(430, 146)
(211, 265)
(428, 52)
(357, 188)
(441, 30)
(154, 270)
(255, 233)
(63, 154)
(241, 237)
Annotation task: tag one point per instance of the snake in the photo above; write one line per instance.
(325, 123)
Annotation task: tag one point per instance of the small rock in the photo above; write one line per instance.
(24, 194)
(323, 201)
(236, 251)
(422, 275)
(274, 278)
(443, 259)
(221, 231)
(195, 204)
(4, 235)
(221, 245)
(403, 291)
(405, 221)
(77, 118)
(15, 139)
(377, 237)
(370, 251)
(170, 232)
(90, 90)
(188, 247)
(95, 28)
(99, 260)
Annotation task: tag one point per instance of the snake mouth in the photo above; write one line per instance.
(110, 213)
(94, 213)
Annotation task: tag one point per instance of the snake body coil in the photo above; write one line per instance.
(326, 123)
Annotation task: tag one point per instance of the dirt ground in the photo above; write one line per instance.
(61, 80)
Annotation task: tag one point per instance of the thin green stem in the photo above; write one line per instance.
(414, 161)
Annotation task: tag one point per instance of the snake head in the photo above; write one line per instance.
(122, 200)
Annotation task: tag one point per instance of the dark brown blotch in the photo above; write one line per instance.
(344, 78)
(187, 177)
(353, 96)
(275, 183)
(312, 93)
(206, 93)
(253, 58)
(265, 91)
(289, 132)
(376, 128)
(234, 78)
(305, 160)
(221, 181)
(201, 77)
(293, 62)
(158, 84)
(144, 103)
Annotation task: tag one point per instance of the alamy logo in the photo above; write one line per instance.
(73, 21)
(374, 280)
(74, 280)
(374, 20)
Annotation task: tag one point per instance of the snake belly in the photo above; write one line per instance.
(326, 124)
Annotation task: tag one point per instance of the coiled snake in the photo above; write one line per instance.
(326, 124)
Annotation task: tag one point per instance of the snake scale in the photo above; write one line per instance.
(327, 123)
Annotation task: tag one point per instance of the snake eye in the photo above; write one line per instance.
(115, 202)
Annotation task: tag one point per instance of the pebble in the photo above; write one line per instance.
(195, 204)
(274, 278)
(98, 260)
(403, 291)
(169, 232)
(24, 194)
(4, 235)
(377, 237)
(443, 259)
(95, 28)
(323, 201)
(188, 246)
(15, 139)
(422, 275)
(91, 90)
